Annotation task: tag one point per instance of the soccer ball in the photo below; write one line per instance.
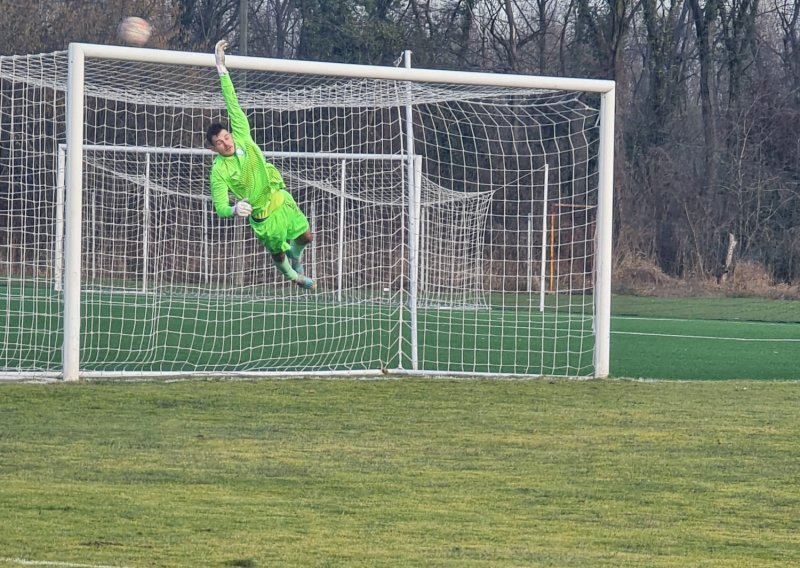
(135, 31)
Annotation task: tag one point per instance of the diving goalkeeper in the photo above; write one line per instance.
(240, 168)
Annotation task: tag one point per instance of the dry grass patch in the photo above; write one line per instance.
(640, 276)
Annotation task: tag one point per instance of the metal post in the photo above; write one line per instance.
(58, 261)
(72, 242)
(146, 223)
(342, 205)
(602, 289)
(413, 225)
(543, 271)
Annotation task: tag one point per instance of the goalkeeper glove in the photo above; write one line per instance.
(219, 55)
(242, 208)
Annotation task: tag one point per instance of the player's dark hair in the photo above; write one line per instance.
(214, 129)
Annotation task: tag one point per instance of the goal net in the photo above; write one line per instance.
(457, 223)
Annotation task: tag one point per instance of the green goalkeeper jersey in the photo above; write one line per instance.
(246, 173)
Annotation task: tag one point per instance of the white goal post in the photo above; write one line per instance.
(462, 221)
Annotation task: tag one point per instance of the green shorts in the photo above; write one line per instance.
(284, 224)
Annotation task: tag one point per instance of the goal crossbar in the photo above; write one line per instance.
(83, 50)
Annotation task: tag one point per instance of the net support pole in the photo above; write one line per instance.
(413, 227)
(543, 268)
(340, 243)
(207, 212)
(602, 289)
(312, 220)
(58, 261)
(530, 252)
(146, 223)
(420, 217)
(72, 240)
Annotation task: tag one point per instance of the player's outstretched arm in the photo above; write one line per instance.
(240, 127)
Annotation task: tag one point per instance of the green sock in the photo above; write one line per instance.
(297, 248)
(285, 268)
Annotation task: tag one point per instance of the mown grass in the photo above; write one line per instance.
(399, 473)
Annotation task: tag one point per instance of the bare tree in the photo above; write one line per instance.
(275, 28)
(738, 28)
(603, 27)
(202, 23)
(520, 32)
(664, 65)
(788, 14)
(705, 17)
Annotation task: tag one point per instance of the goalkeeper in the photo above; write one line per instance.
(240, 168)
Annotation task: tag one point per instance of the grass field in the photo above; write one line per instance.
(428, 472)
(665, 338)
(400, 473)
(705, 338)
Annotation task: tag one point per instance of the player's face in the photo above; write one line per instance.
(222, 143)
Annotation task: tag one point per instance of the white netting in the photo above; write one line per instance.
(507, 186)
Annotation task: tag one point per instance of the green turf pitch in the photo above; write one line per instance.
(705, 338)
(398, 473)
(701, 349)
(663, 338)
(264, 331)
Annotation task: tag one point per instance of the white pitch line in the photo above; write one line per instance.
(779, 340)
(742, 322)
(24, 562)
